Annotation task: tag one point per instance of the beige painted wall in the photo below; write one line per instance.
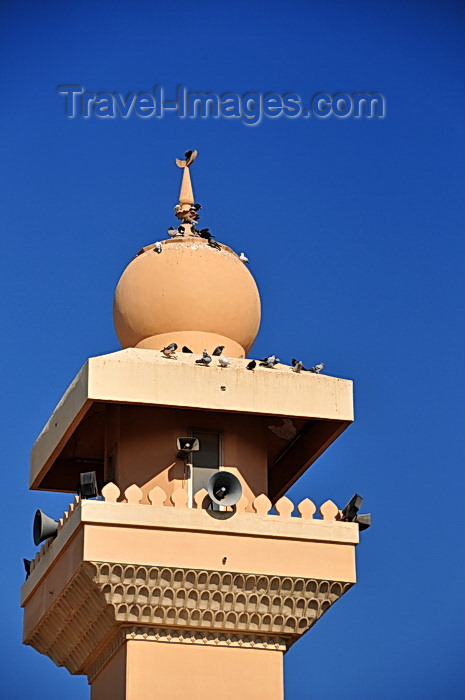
(201, 550)
(160, 671)
(146, 448)
(55, 579)
(110, 684)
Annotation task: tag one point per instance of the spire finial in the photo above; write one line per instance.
(186, 195)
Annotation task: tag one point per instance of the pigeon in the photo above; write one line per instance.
(186, 349)
(205, 233)
(243, 258)
(270, 365)
(177, 208)
(317, 368)
(252, 364)
(170, 350)
(189, 156)
(217, 351)
(214, 244)
(157, 247)
(172, 231)
(224, 361)
(270, 361)
(27, 567)
(298, 366)
(181, 230)
(196, 207)
(204, 360)
(190, 216)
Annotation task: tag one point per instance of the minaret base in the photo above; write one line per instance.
(148, 670)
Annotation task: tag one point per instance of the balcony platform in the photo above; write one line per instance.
(235, 577)
(320, 406)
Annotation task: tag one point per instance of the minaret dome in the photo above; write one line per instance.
(195, 292)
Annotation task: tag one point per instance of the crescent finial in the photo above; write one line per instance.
(189, 157)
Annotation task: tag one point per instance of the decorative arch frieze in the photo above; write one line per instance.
(104, 602)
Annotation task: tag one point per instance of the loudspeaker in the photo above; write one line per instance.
(364, 521)
(186, 445)
(352, 508)
(350, 513)
(224, 488)
(189, 444)
(44, 527)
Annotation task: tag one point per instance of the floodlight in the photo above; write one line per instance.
(87, 487)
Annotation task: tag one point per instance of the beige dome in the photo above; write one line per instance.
(190, 294)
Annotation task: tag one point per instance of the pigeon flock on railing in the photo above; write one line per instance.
(269, 362)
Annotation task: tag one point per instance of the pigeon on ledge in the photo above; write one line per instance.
(317, 368)
(204, 360)
(269, 362)
(170, 350)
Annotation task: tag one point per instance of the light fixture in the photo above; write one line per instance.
(87, 487)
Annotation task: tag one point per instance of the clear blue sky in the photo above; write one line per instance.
(355, 233)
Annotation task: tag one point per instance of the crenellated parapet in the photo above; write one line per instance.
(157, 497)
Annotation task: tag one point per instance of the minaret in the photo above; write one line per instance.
(153, 590)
